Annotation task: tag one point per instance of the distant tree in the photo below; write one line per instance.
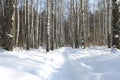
(48, 24)
(76, 26)
(52, 25)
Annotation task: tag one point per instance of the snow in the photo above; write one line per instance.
(117, 1)
(95, 63)
(29, 65)
(9, 35)
(116, 36)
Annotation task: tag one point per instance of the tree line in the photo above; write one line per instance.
(58, 23)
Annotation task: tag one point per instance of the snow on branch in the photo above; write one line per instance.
(9, 35)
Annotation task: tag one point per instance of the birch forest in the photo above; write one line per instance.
(59, 23)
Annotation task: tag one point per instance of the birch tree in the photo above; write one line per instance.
(48, 24)
(108, 24)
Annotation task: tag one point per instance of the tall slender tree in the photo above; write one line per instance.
(108, 24)
(48, 24)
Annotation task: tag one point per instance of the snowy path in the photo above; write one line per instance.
(61, 64)
(73, 69)
(66, 72)
(89, 65)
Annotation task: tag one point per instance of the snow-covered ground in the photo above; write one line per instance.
(99, 63)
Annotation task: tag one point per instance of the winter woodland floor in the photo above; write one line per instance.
(99, 63)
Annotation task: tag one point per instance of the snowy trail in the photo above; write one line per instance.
(89, 65)
(73, 69)
(66, 72)
(61, 64)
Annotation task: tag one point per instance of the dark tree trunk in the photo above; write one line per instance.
(115, 39)
(1, 21)
(7, 26)
(76, 27)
